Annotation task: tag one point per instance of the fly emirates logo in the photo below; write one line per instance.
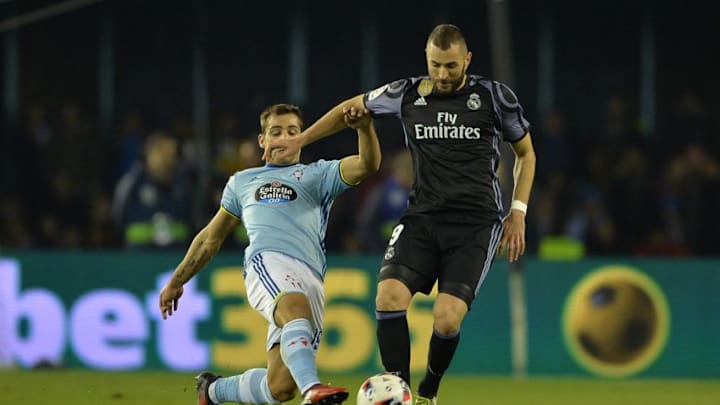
(446, 128)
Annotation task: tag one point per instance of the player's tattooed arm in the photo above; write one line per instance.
(204, 246)
(197, 257)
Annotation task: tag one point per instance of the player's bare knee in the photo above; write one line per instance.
(448, 314)
(290, 307)
(392, 295)
(446, 326)
(446, 320)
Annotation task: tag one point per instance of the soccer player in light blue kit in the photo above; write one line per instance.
(284, 206)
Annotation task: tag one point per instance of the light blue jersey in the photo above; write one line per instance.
(286, 208)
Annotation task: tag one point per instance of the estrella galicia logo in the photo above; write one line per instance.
(275, 192)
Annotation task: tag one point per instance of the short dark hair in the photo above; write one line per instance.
(444, 35)
(279, 109)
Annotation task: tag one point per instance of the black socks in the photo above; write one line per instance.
(442, 350)
(394, 342)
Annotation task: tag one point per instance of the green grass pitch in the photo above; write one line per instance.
(161, 388)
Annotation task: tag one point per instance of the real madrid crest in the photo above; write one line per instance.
(474, 102)
(425, 87)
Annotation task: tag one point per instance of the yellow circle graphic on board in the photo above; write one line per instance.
(616, 321)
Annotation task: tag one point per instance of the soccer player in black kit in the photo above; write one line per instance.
(453, 123)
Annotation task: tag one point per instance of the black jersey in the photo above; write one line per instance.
(454, 140)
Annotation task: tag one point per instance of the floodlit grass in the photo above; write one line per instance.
(161, 388)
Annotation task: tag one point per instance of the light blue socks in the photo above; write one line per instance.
(250, 387)
(297, 353)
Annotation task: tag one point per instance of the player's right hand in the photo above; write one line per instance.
(356, 118)
(169, 297)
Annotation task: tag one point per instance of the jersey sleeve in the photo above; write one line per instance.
(230, 201)
(386, 100)
(513, 122)
(331, 179)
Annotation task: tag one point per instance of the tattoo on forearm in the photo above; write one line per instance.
(200, 261)
(193, 260)
(194, 264)
(180, 276)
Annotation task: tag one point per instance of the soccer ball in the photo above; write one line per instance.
(616, 323)
(384, 389)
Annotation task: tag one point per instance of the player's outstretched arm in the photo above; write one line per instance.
(355, 168)
(203, 247)
(332, 122)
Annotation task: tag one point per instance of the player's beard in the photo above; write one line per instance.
(449, 86)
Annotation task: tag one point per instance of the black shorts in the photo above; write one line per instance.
(457, 256)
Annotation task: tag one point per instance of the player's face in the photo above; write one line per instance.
(281, 134)
(447, 67)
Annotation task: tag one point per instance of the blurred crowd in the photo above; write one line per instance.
(612, 188)
(620, 190)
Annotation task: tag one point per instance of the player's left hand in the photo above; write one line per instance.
(513, 235)
(356, 118)
(169, 297)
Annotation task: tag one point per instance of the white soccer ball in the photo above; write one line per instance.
(384, 389)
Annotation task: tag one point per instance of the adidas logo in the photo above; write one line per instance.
(420, 101)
